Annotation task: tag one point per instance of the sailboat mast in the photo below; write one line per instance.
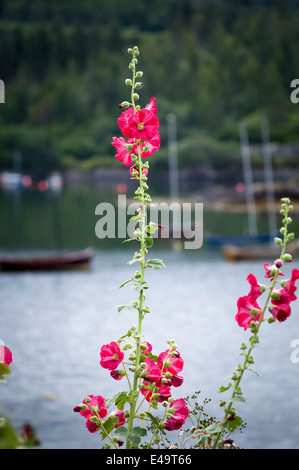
(173, 157)
(247, 172)
(268, 176)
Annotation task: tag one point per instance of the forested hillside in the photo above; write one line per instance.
(210, 62)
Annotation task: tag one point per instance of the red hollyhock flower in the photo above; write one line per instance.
(149, 348)
(123, 120)
(151, 106)
(151, 146)
(143, 125)
(91, 426)
(116, 374)
(179, 416)
(152, 371)
(124, 150)
(121, 417)
(163, 390)
(176, 380)
(281, 305)
(269, 271)
(96, 402)
(174, 365)
(5, 356)
(281, 312)
(111, 356)
(247, 304)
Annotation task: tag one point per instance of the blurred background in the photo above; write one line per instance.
(221, 72)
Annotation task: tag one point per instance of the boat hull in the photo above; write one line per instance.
(72, 260)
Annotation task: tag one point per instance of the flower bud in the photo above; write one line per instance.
(139, 74)
(287, 258)
(124, 105)
(128, 82)
(135, 96)
(138, 85)
(278, 263)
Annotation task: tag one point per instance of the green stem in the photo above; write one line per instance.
(141, 298)
(247, 356)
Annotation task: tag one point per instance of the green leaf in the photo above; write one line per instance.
(153, 418)
(234, 424)
(239, 398)
(223, 388)
(133, 304)
(109, 425)
(155, 263)
(213, 429)
(112, 400)
(139, 431)
(122, 431)
(149, 241)
(141, 285)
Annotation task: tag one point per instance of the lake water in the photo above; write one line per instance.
(56, 323)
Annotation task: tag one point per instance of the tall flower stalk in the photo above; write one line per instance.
(153, 376)
(250, 315)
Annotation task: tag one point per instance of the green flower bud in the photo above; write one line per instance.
(139, 74)
(287, 258)
(136, 96)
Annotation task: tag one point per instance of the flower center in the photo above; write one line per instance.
(140, 126)
(115, 357)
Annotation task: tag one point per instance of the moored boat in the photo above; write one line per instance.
(59, 261)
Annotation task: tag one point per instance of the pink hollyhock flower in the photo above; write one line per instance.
(5, 356)
(152, 371)
(281, 305)
(111, 356)
(149, 348)
(164, 392)
(121, 417)
(116, 374)
(176, 380)
(124, 150)
(174, 365)
(96, 402)
(270, 272)
(179, 415)
(245, 315)
(247, 304)
(281, 312)
(143, 125)
(151, 146)
(123, 120)
(151, 106)
(91, 426)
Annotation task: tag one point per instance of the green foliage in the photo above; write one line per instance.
(209, 63)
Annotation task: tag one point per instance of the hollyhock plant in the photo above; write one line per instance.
(152, 379)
